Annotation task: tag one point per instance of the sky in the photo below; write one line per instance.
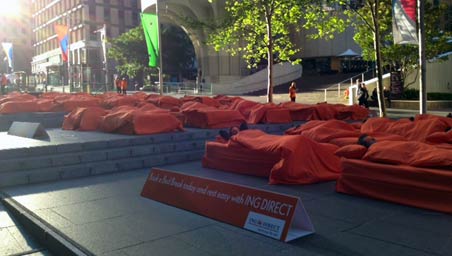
(9, 8)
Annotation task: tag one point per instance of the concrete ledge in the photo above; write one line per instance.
(43, 232)
(71, 172)
(48, 120)
(414, 104)
(13, 153)
(118, 153)
(13, 178)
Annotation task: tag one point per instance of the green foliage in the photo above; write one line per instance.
(410, 94)
(413, 94)
(130, 52)
(245, 30)
(439, 96)
(323, 24)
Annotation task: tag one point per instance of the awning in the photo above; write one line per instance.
(348, 53)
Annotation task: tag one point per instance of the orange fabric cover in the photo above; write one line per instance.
(419, 187)
(151, 122)
(300, 160)
(354, 112)
(16, 96)
(409, 153)
(73, 103)
(440, 137)
(324, 111)
(91, 118)
(193, 106)
(119, 100)
(118, 121)
(277, 116)
(47, 105)
(257, 113)
(243, 106)
(351, 151)
(213, 118)
(84, 119)
(12, 107)
(268, 113)
(417, 130)
(232, 157)
(208, 101)
(299, 112)
(166, 102)
(340, 142)
(72, 120)
(151, 107)
(325, 131)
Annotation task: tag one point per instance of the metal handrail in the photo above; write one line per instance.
(350, 79)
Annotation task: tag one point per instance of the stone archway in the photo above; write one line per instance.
(217, 67)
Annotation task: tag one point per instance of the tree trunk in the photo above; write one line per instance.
(270, 58)
(380, 92)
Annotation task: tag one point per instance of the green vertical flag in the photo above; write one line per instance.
(151, 33)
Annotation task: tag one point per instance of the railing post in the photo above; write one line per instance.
(325, 95)
(338, 90)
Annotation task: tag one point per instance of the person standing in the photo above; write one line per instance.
(3, 84)
(363, 94)
(124, 85)
(293, 91)
(118, 85)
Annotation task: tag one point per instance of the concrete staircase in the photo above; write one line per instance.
(60, 161)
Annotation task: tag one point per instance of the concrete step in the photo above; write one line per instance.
(76, 157)
(31, 176)
(74, 160)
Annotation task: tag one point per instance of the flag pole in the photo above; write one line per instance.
(104, 46)
(160, 47)
(422, 62)
(69, 80)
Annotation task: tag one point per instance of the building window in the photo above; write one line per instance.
(128, 18)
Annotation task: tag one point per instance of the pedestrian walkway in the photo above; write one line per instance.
(106, 215)
(14, 239)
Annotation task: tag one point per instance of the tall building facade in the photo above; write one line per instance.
(16, 28)
(85, 18)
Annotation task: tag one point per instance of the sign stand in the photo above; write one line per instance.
(275, 215)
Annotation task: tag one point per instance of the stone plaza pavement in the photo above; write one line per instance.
(104, 214)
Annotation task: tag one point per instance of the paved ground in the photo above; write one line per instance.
(14, 239)
(107, 216)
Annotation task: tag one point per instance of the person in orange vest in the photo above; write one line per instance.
(118, 85)
(346, 93)
(124, 86)
(4, 82)
(293, 91)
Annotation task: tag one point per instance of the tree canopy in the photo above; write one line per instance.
(130, 52)
(403, 57)
(260, 30)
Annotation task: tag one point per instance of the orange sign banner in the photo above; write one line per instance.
(279, 216)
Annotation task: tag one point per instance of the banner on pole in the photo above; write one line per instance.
(404, 22)
(275, 215)
(8, 49)
(150, 25)
(62, 32)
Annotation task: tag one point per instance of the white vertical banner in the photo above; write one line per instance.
(8, 49)
(404, 22)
